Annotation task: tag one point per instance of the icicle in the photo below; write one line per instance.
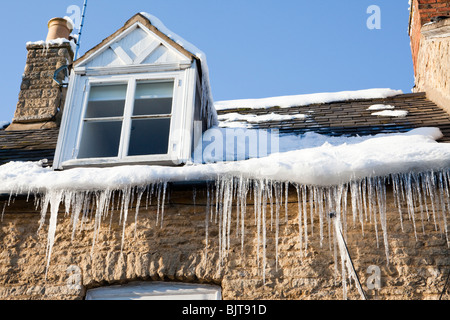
(442, 187)
(381, 196)
(311, 210)
(102, 199)
(207, 218)
(229, 211)
(138, 205)
(286, 202)
(257, 202)
(300, 228)
(54, 199)
(150, 191)
(3, 211)
(158, 209)
(425, 194)
(344, 198)
(244, 211)
(319, 199)
(397, 200)
(163, 203)
(305, 215)
(410, 201)
(271, 203)
(418, 194)
(264, 231)
(125, 206)
(431, 187)
(371, 187)
(278, 199)
(364, 202)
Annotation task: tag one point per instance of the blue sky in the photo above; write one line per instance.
(255, 48)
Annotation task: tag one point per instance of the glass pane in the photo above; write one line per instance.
(106, 101)
(100, 139)
(153, 98)
(149, 137)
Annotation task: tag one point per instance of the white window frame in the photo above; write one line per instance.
(131, 82)
(181, 128)
(156, 291)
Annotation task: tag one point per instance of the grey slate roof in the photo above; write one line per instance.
(29, 145)
(337, 118)
(353, 118)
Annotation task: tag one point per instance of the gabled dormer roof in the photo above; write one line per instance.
(137, 42)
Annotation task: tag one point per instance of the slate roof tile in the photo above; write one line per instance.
(354, 118)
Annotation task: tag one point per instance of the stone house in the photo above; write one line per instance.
(120, 209)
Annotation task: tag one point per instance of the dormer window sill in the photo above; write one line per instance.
(167, 161)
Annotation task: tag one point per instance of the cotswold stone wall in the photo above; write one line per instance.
(40, 97)
(433, 70)
(180, 251)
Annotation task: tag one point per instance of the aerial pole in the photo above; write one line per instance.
(83, 14)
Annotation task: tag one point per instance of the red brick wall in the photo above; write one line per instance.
(433, 8)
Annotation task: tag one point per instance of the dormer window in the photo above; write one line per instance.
(129, 119)
(133, 100)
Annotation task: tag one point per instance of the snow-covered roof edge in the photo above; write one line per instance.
(207, 98)
(306, 99)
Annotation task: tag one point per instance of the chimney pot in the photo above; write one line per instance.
(59, 28)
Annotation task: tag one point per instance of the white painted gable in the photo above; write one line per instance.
(135, 46)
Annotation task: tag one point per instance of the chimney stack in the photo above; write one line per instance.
(41, 99)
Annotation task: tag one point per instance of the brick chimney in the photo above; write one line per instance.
(41, 98)
(429, 30)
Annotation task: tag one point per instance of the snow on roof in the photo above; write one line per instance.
(377, 107)
(387, 111)
(312, 164)
(253, 118)
(306, 99)
(391, 113)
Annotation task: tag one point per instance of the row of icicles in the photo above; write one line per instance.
(424, 197)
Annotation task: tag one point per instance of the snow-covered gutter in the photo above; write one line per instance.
(325, 165)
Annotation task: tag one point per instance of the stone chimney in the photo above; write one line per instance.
(429, 30)
(41, 98)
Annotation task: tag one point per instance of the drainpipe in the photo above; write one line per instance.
(343, 248)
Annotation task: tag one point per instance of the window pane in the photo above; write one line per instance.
(100, 139)
(149, 137)
(153, 98)
(106, 101)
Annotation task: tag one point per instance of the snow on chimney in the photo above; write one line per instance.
(41, 97)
